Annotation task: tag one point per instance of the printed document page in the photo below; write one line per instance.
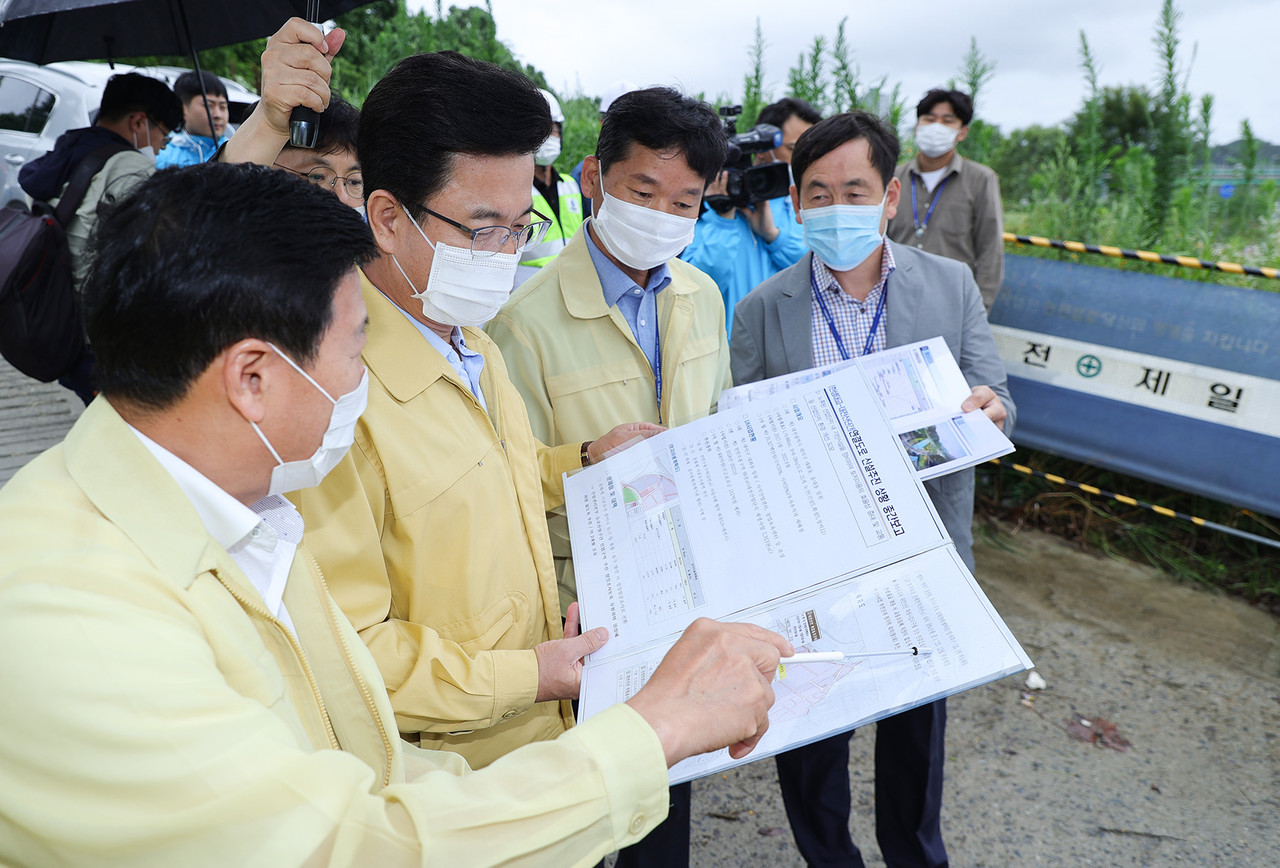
(799, 511)
(804, 487)
(921, 389)
(927, 601)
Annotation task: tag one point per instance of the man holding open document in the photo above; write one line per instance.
(857, 294)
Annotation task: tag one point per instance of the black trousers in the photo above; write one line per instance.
(910, 752)
(667, 846)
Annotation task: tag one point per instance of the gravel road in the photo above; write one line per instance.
(1189, 677)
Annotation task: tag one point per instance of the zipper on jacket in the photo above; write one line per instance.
(261, 611)
(365, 692)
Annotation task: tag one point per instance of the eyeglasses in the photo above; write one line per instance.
(488, 240)
(323, 176)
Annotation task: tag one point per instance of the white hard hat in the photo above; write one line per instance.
(615, 90)
(554, 105)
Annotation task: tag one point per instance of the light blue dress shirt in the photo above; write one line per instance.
(466, 362)
(638, 305)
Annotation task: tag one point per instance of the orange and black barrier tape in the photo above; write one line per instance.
(1144, 255)
(1130, 501)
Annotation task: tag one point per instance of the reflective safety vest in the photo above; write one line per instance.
(562, 228)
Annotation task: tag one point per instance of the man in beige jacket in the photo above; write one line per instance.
(618, 328)
(179, 688)
(434, 525)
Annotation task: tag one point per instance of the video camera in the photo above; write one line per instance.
(748, 184)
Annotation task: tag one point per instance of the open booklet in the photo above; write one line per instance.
(798, 511)
(921, 389)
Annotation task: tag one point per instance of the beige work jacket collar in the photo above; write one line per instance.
(401, 358)
(135, 493)
(584, 299)
(580, 285)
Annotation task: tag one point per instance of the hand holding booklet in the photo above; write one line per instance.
(798, 510)
(921, 388)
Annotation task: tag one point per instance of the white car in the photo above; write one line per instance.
(40, 103)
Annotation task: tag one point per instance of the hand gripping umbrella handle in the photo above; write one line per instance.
(304, 123)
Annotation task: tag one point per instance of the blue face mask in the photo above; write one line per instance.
(843, 236)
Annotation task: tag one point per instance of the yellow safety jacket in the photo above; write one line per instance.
(564, 224)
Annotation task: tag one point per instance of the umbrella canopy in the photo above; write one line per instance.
(43, 31)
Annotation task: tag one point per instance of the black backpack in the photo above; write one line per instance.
(41, 325)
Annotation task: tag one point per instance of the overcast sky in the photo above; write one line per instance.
(701, 46)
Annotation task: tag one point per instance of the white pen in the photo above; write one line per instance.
(837, 656)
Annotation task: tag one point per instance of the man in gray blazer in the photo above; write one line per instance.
(858, 293)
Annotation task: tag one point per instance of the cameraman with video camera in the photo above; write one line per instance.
(748, 231)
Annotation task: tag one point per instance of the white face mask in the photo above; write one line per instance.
(146, 150)
(934, 140)
(547, 151)
(462, 290)
(637, 236)
(289, 476)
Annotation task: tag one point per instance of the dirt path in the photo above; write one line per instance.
(1191, 678)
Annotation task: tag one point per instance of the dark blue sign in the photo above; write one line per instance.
(1223, 443)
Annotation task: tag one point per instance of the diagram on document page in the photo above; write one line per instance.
(668, 571)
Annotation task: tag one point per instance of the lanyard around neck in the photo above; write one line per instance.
(831, 322)
(915, 215)
(657, 367)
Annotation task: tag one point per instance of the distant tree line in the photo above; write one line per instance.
(1132, 167)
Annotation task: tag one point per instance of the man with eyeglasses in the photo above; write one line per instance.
(333, 164)
(432, 530)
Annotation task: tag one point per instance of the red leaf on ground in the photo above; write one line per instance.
(1081, 729)
(1099, 731)
(1109, 735)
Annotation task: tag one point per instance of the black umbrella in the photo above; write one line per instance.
(43, 31)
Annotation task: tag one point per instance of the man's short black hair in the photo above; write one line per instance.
(432, 107)
(825, 136)
(960, 102)
(663, 119)
(339, 128)
(130, 92)
(187, 86)
(788, 107)
(184, 269)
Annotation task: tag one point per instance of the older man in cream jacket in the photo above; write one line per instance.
(179, 688)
